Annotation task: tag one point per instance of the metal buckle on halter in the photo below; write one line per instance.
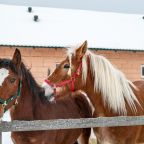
(4, 104)
(16, 102)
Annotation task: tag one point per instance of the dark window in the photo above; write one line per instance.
(142, 71)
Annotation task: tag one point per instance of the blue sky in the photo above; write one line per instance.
(122, 6)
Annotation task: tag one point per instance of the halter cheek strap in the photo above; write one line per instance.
(6, 102)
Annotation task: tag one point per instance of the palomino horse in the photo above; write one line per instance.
(108, 89)
(25, 98)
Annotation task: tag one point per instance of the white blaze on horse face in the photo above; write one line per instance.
(3, 74)
(48, 89)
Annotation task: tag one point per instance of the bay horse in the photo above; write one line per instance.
(20, 93)
(110, 92)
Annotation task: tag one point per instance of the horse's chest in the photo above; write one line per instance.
(104, 136)
(27, 139)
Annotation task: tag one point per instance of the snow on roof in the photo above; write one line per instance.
(63, 27)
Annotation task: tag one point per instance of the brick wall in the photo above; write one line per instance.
(127, 61)
(40, 59)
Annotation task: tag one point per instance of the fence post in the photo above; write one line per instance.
(0, 137)
(0, 134)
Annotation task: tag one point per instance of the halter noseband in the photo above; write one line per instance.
(70, 82)
(4, 103)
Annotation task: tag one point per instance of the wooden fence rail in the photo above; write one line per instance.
(71, 123)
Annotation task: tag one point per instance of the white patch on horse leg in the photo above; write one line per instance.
(13, 140)
(3, 74)
(79, 140)
(93, 136)
(48, 89)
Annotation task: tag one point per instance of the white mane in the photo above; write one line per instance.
(115, 89)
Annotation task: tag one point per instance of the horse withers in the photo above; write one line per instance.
(20, 93)
(110, 92)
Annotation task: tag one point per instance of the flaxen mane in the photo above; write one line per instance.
(115, 88)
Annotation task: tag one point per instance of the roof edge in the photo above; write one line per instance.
(92, 48)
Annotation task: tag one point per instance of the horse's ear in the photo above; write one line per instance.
(17, 58)
(80, 52)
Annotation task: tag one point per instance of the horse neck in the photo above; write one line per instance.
(25, 107)
(96, 98)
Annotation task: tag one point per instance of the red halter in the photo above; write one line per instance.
(70, 82)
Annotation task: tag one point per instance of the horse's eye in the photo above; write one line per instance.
(12, 80)
(66, 66)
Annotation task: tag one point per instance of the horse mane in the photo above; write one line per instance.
(36, 90)
(114, 87)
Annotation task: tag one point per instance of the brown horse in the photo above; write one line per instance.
(20, 93)
(108, 89)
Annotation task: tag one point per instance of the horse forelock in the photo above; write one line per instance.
(7, 63)
(70, 52)
(114, 87)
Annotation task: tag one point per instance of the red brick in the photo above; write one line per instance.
(40, 59)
